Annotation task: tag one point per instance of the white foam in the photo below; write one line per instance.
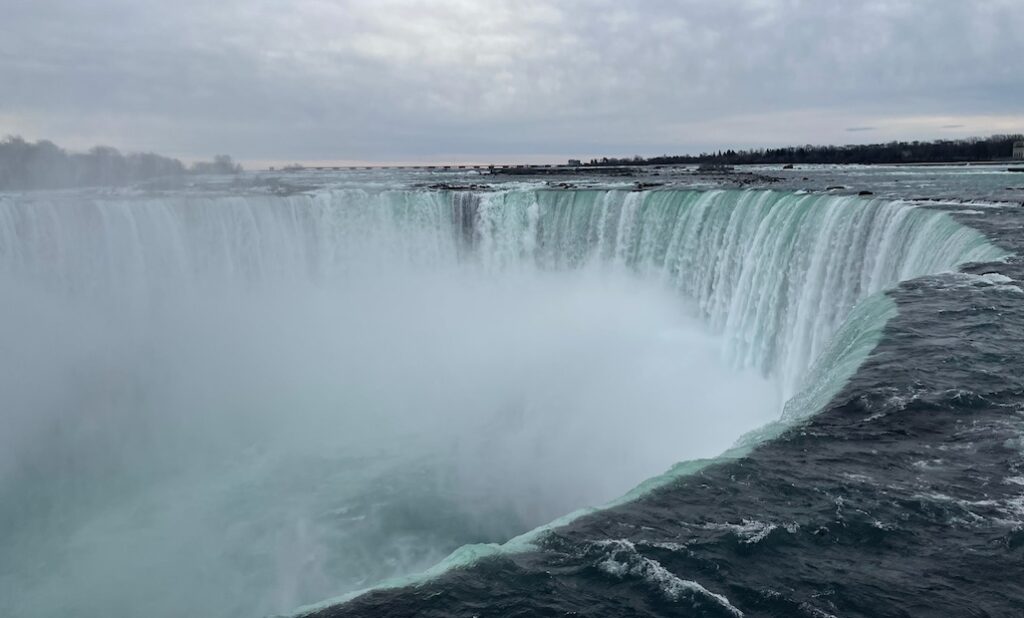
(751, 531)
(623, 560)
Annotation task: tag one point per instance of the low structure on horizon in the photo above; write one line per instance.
(1018, 151)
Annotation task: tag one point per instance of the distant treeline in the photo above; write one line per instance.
(44, 165)
(991, 148)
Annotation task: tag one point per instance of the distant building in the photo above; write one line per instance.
(575, 163)
(1018, 150)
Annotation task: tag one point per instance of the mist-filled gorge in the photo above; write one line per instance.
(369, 431)
(271, 401)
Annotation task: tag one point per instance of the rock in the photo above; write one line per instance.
(865, 193)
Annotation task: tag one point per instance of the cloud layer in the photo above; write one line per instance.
(387, 80)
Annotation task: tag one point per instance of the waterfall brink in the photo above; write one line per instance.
(775, 273)
(290, 397)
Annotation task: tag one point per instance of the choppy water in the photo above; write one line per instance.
(579, 341)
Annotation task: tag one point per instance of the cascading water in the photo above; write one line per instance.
(775, 273)
(270, 400)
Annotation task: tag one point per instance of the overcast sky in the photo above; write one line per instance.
(483, 80)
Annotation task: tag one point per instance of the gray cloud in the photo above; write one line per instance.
(407, 79)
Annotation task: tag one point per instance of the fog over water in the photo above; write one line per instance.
(205, 424)
(232, 404)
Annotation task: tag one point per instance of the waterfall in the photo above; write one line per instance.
(295, 396)
(776, 273)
